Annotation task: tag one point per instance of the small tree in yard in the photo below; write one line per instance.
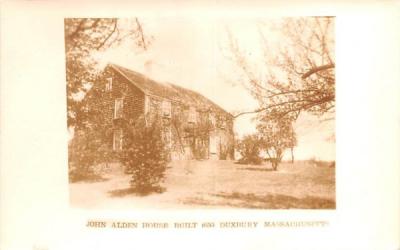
(276, 137)
(249, 147)
(145, 156)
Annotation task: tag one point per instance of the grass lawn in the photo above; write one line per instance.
(217, 184)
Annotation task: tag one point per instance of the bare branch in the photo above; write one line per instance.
(317, 69)
(266, 108)
(109, 35)
(140, 30)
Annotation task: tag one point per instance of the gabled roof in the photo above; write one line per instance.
(167, 90)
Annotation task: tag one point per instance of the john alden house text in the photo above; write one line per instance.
(193, 127)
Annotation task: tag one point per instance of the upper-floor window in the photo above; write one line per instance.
(192, 117)
(118, 107)
(221, 123)
(109, 84)
(166, 108)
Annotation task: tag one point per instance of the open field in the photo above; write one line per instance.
(216, 184)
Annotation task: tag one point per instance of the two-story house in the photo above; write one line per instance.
(194, 127)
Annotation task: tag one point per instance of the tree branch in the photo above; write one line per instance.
(74, 33)
(266, 108)
(109, 35)
(307, 105)
(317, 69)
(291, 92)
(141, 32)
(82, 27)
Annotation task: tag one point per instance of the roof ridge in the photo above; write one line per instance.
(182, 93)
(199, 94)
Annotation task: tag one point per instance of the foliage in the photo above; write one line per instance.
(89, 146)
(145, 156)
(275, 137)
(196, 135)
(250, 148)
(83, 37)
(86, 150)
(296, 75)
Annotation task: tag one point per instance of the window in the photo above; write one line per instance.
(166, 108)
(192, 118)
(109, 84)
(118, 108)
(117, 140)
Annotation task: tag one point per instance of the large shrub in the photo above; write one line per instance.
(89, 146)
(249, 148)
(86, 150)
(145, 156)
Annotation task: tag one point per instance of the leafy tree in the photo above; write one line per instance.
(83, 37)
(276, 136)
(298, 75)
(85, 151)
(250, 148)
(89, 146)
(145, 156)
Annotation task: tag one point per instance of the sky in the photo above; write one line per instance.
(192, 52)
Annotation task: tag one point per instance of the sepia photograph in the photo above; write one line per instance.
(201, 113)
(199, 124)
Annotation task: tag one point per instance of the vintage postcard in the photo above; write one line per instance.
(201, 126)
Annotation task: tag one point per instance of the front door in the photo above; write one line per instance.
(214, 145)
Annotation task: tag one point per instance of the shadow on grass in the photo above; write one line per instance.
(135, 192)
(258, 169)
(269, 201)
(87, 178)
